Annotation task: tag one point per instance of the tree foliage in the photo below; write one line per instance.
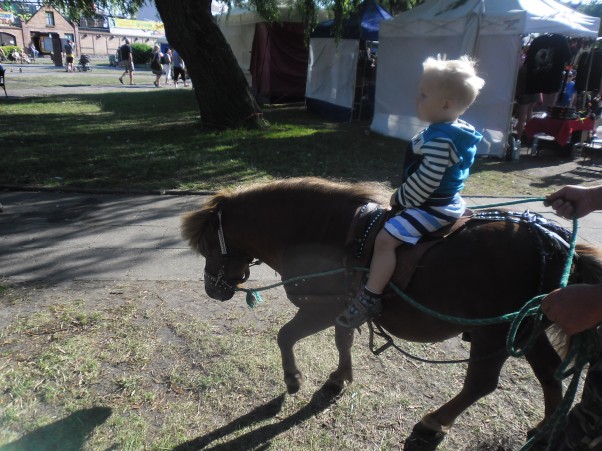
(87, 8)
(592, 9)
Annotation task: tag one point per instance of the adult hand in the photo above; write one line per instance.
(574, 201)
(574, 308)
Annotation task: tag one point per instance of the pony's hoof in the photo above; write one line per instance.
(338, 379)
(423, 438)
(334, 386)
(293, 383)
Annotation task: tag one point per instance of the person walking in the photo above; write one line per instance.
(179, 69)
(127, 59)
(155, 65)
(167, 61)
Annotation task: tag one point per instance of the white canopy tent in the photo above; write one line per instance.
(490, 31)
(332, 74)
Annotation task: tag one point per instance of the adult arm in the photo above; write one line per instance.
(576, 201)
(574, 308)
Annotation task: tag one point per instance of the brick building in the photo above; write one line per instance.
(45, 23)
(48, 30)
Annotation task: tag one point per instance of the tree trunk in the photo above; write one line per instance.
(221, 89)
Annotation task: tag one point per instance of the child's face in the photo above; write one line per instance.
(431, 103)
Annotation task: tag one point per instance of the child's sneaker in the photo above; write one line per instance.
(362, 308)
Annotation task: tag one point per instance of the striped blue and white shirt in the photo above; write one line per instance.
(447, 152)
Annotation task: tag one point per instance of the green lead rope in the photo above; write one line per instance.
(254, 298)
(583, 348)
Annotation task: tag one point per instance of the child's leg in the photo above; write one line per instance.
(367, 303)
(383, 262)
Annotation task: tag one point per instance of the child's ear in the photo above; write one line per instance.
(447, 104)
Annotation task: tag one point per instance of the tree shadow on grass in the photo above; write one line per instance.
(580, 174)
(130, 147)
(260, 438)
(68, 434)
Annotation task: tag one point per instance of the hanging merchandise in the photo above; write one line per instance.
(595, 75)
(546, 60)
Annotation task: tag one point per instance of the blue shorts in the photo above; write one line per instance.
(411, 224)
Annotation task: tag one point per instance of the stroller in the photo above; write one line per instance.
(84, 64)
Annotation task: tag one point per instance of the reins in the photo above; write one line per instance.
(582, 344)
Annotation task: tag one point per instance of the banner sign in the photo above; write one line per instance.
(7, 17)
(139, 24)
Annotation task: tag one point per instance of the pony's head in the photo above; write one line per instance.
(225, 268)
(283, 202)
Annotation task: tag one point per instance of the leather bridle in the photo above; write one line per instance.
(219, 280)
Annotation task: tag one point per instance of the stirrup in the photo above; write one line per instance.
(357, 313)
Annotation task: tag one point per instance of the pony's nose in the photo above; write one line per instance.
(217, 293)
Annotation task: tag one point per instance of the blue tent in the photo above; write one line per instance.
(363, 24)
(341, 73)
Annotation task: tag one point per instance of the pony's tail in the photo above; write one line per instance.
(559, 340)
(588, 264)
(588, 269)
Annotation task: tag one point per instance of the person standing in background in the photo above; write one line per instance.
(524, 102)
(34, 52)
(546, 60)
(69, 54)
(179, 68)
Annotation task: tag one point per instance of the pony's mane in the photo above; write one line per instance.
(194, 223)
(312, 185)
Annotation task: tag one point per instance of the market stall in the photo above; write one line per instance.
(489, 30)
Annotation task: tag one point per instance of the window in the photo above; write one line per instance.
(7, 39)
(70, 36)
(49, 19)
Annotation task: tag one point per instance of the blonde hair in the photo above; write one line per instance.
(458, 78)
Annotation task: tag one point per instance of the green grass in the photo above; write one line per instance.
(151, 140)
(138, 371)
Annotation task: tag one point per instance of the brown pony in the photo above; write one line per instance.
(300, 226)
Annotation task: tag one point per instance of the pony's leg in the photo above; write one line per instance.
(344, 372)
(488, 355)
(544, 361)
(302, 325)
